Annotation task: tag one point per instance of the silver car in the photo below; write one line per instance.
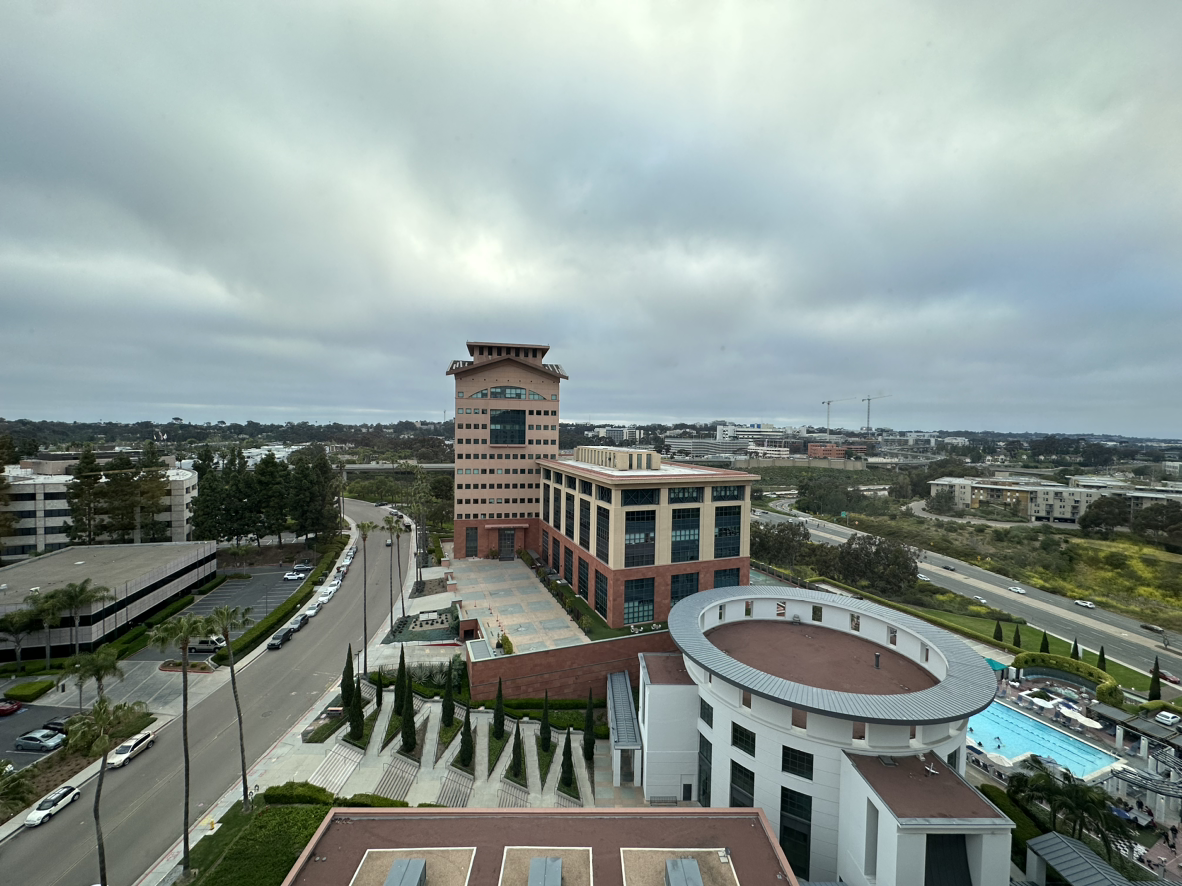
(130, 749)
(40, 740)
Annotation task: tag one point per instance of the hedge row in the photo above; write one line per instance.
(211, 585)
(132, 642)
(1107, 689)
(1025, 828)
(302, 793)
(169, 611)
(30, 691)
(283, 613)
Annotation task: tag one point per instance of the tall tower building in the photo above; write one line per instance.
(507, 415)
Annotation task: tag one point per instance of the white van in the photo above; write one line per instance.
(206, 644)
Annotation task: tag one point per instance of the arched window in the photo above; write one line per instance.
(480, 394)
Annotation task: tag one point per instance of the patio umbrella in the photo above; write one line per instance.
(999, 760)
(1120, 813)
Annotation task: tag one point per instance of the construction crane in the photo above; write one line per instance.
(828, 404)
(866, 400)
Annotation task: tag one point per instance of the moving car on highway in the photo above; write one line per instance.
(1017, 590)
(1086, 604)
(52, 804)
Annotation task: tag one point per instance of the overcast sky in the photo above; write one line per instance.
(301, 211)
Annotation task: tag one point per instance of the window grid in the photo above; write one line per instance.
(638, 600)
(682, 586)
(794, 762)
(601, 593)
(705, 712)
(743, 739)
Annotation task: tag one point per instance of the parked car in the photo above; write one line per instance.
(40, 740)
(922, 577)
(52, 805)
(303, 566)
(298, 621)
(281, 637)
(60, 725)
(207, 644)
(313, 609)
(293, 576)
(1086, 604)
(326, 595)
(130, 749)
(1168, 718)
(9, 707)
(1168, 677)
(1018, 590)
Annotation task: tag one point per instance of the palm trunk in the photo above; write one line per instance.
(364, 607)
(241, 736)
(393, 541)
(74, 631)
(401, 596)
(98, 823)
(185, 744)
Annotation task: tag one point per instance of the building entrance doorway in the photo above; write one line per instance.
(508, 544)
(471, 542)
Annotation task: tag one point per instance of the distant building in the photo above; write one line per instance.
(826, 450)
(955, 441)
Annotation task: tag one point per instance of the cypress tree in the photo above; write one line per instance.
(1155, 681)
(1017, 637)
(997, 634)
(544, 735)
(347, 681)
(400, 678)
(567, 778)
(1075, 650)
(466, 743)
(449, 703)
(379, 687)
(408, 719)
(1045, 645)
(588, 730)
(1101, 660)
(518, 756)
(356, 718)
(498, 727)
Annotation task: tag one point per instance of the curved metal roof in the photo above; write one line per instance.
(967, 689)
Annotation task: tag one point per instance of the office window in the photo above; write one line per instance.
(570, 516)
(556, 552)
(638, 600)
(742, 785)
(705, 712)
(684, 545)
(584, 487)
(642, 497)
(705, 760)
(545, 546)
(568, 566)
(686, 494)
(817, 612)
(557, 508)
(602, 533)
(570, 482)
(583, 578)
(743, 739)
(546, 503)
(603, 494)
(726, 578)
(558, 478)
(796, 816)
(727, 493)
(727, 531)
(506, 427)
(546, 474)
(585, 524)
(682, 586)
(601, 593)
(640, 538)
(796, 762)
(507, 392)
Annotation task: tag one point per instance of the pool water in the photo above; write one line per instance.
(1021, 734)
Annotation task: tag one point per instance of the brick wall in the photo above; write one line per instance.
(568, 672)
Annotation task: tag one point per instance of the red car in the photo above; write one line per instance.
(1168, 677)
(9, 707)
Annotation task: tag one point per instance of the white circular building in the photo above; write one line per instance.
(843, 720)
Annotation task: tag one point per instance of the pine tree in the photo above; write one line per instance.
(448, 715)
(466, 743)
(1075, 650)
(588, 730)
(1045, 645)
(347, 681)
(1155, 681)
(408, 720)
(356, 717)
(378, 686)
(498, 727)
(1101, 660)
(544, 735)
(567, 778)
(997, 634)
(518, 754)
(84, 496)
(1017, 637)
(399, 679)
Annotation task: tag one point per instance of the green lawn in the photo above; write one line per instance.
(496, 746)
(366, 731)
(545, 759)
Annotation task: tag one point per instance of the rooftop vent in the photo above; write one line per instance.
(545, 872)
(408, 872)
(888, 761)
(682, 872)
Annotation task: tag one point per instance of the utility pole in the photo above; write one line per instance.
(867, 400)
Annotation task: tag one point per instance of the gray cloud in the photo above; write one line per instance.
(299, 211)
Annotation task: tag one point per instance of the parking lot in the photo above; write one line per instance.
(26, 720)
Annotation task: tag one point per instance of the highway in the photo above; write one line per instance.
(142, 803)
(1122, 637)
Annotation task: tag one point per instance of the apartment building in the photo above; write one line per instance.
(507, 415)
(1037, 500)
(633, 534)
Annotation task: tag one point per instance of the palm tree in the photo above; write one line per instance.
(394, 527)
(179, 631)
(1037, 783)
(365, 528)
(224, 620)
(49, 612)
(87, 666)
(92, 734)
(16, 626)
(77, 596)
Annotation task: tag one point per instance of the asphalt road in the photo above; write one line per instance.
(1122, 637)
(142, 803)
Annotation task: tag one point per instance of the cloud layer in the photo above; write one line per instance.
(288, 211)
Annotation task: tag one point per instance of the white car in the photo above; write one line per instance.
(293, 576)
(130, 749)
(51, 805)
(312, 609)
(327, 595)
(1017, 590)
(1086, 604)
(981, 600)
(922, 577)
(1168, 718)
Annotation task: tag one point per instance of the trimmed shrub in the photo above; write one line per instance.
(1107, 689)
(30, 691)
(298, 792)
(169, 611)
(371, 800)
(211, 585)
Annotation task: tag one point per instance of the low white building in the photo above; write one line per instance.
(843, 720)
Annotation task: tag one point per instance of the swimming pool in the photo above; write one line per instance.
(1020, 735)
